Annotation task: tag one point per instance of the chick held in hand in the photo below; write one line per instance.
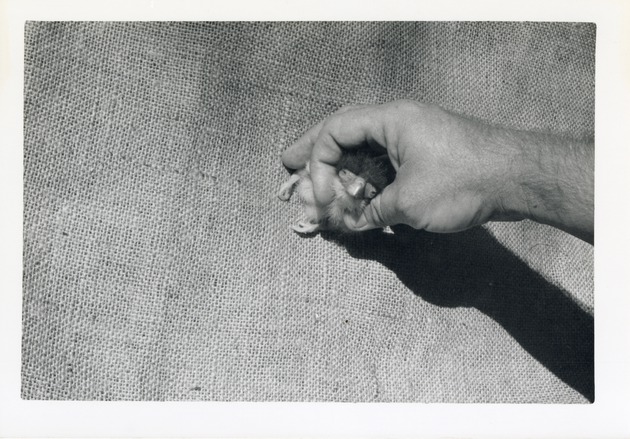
(361, 176)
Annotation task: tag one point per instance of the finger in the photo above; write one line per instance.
(299, 153)
(348, 129)
(381, 211)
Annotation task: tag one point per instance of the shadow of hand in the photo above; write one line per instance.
(472, 269)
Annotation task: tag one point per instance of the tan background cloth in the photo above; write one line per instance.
(158, 262)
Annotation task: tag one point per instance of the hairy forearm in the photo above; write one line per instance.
(553, 181)
(454, 172)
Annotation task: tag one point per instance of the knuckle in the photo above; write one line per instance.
(331, 123)
(408, 106)
(404, 111)
(346, 108)
(326, 143)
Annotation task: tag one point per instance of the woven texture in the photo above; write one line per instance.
(159, 264)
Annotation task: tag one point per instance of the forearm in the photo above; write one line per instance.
(553, 181)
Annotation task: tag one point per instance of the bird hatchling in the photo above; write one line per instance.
(361, 176)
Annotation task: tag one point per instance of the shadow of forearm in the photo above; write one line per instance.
(472, 269)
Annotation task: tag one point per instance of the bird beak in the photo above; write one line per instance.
(356, 188)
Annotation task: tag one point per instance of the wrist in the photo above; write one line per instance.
(552, 182)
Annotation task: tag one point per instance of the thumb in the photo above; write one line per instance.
(380, 212)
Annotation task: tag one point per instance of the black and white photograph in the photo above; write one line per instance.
(159, 261)
(309, 211)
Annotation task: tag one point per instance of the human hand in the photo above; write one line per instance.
(452, 172)
(447, 177)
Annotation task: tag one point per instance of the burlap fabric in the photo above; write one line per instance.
(158, 262)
